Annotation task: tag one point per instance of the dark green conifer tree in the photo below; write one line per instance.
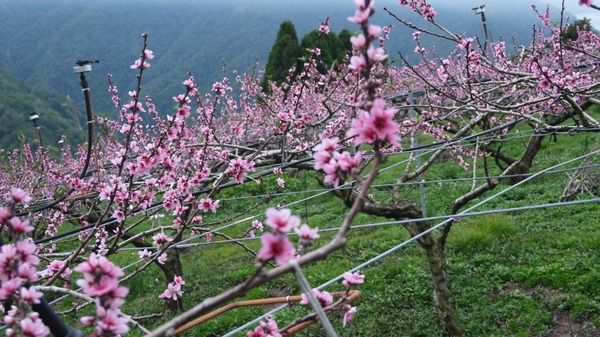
(284, 54)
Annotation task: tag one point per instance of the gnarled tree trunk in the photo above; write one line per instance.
(441, 294)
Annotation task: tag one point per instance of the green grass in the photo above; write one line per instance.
(508, 272)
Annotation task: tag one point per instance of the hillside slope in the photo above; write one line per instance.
(17, 101)
(42, 39)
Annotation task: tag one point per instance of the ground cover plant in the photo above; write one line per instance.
(157, 220)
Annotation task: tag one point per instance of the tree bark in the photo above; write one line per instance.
(441, 293)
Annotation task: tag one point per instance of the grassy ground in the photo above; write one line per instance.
(520, 274)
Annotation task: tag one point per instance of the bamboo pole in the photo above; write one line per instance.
(352, 295)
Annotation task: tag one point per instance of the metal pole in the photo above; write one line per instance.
(415, 143)
(34, 117)
(481, 11)
(313, 300)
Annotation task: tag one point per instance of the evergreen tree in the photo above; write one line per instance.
(329, 44)
(333, 47)
(284, 54)
(344, 37)
(583, 24)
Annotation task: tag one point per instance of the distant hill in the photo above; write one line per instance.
(42, 39)
(18, 101)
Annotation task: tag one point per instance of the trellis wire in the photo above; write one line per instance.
(447, 217)
(183, 244)
(440, 145)
(408, 183)
(412, 239)
(138, 261)
(432, 147)
(431, 150)
(397, 222)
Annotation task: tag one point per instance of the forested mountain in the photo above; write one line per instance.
(57, 116)
(41, 40)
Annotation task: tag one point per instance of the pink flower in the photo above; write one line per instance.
(217, 88)
(160, 239)
(276, 246)
(358, 63)
(149, 54)
(428, 12)
(9, 288)
(376, 125)
(33, 327)
(352, 279)
(346, 162)
(327, 145)
(323, 152)
(258, 332)
(144, 254)
(358, 41)
(119, 215)
(31, 295)
(585, 3)
(349, 312)
(111, 322)
(374, 31)
(4, 215)
(465, 43)
(307, 234)
(376, 54)
(162, 259)
(270, 328)
(238, 168)
(54, 267)
(257, 225)
(139, 65)
(324, 28)
(208, 205)
(173, 291)
(363, 12)
(280, 183)
(20, 227)
(281, 220)
(266, 328)
(178, 280)
(19, 196)
(324, 297)
(100, 276)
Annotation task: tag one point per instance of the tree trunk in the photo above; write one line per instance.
(441, 294)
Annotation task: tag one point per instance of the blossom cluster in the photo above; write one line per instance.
(101, 282)
(238, 168)
(173, 291)
(18, 263)
(276, 244)
(366, 54)
(267, 328)
(420, 7)
(336, 165)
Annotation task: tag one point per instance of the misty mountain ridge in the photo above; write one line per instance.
(42, 40)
